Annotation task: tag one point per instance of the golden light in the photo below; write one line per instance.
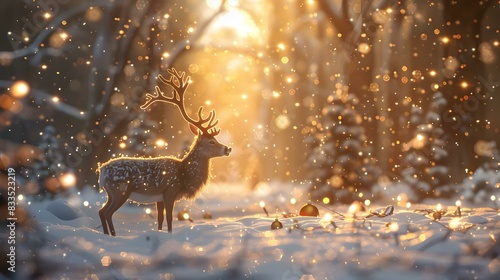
(326, 200)
(464, 84)
(235, 19)
(364, 48)
(389, 10)
(106, 261)
(122, 145)
(19, 89)
(445, 40)
(367, 202)
(68, 180)
(281, 46)
(439, 207)
(420, 137)
(293, 200)
(185, 216)
(454, 224)
(394, 227)
(458, 203)
(47, 15)
(408, 205)
(160, 143)
(44, 67)
(433, 73)
(328, 217)
(148, 211)
(93, 14)
(64, 35)
(86, 203)
(20, 197)
(214, 4)
(282, 121)
(55, 99)
(353, 208)
(262, 204)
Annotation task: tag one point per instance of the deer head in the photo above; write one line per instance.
(204, 128)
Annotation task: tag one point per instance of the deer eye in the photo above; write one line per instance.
(212, 142)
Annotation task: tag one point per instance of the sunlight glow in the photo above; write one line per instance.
(235, 19)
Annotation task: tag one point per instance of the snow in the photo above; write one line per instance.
(239, 243)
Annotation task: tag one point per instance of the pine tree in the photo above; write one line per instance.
(484, 184)
(47, 169)
(340, 162)
(141, 136)
(425, 155)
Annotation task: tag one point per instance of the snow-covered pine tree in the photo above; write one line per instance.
(48, 168)
(340, 164)
(141, 135)
(425, 155)
(484, 184)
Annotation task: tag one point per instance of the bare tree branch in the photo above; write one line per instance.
(180, 48)
(339, 19)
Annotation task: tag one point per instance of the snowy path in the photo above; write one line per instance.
(238, 241)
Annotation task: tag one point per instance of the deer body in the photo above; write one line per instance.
(161, 180)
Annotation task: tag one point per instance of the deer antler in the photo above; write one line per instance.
(179, 83)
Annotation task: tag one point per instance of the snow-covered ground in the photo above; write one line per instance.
(238, 242)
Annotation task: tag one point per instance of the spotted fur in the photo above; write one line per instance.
(160, 180)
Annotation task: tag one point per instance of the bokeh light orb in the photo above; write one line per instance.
(19, 89)
(68, 180)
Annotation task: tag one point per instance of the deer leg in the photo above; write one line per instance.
(116, 203)
(169, 207)
(102, 214)
(160, 207)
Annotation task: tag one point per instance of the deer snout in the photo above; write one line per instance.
(227, 151)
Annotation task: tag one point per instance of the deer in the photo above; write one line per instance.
(162, 180)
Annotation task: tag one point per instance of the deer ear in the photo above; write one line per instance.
(194, 129)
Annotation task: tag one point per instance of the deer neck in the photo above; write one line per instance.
(195, 171)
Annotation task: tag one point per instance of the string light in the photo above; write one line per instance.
(263, 206)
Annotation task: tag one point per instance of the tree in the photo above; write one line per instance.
(340, 163)
(49, 168)
(484, 184)
(425, 155)
(141, 135)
